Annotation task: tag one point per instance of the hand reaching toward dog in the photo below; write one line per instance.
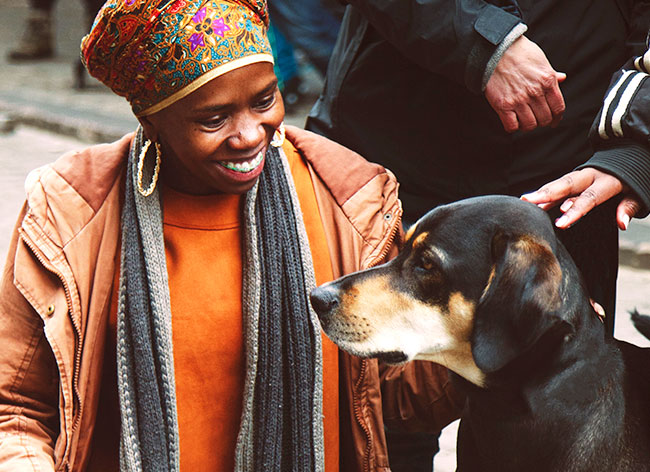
(582, 190)
(524, 88)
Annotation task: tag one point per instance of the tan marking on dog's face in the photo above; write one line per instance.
(459, 320)
(369, 304)
(410, 232)
(460, 316)
(373, 318)
(420, 239)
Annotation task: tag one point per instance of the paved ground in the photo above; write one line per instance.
(41, 95)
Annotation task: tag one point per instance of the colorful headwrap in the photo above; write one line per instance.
(155, 52)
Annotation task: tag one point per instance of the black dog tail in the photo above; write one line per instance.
(641, 323)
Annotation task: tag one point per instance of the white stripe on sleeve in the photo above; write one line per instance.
(608, 101)
(624, 102)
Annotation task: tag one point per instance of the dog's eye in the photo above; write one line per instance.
(425, 263)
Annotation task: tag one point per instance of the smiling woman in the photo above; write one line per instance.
(154, 311)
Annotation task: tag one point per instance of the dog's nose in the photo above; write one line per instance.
(324, 299)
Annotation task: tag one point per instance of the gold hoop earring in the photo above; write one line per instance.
(278, 136)
(154, 178)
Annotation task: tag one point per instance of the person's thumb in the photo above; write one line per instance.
(627, 208)
(560, 76)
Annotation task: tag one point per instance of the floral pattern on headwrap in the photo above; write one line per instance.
(155, 52)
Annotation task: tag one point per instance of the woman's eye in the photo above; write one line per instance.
(266, 102)
(213, 123)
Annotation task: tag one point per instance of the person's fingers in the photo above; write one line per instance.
(546, 206)
(600, 191)
(526, 118)
(568, 203)
(600, 311)
(554, 192)
(626, 210)
(509, 121)
(541, 110)
(581, 206)
(555, 101)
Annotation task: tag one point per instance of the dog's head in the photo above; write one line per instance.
(477, 283)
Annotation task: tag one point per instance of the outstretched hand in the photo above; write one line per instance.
(582, 190)
(524, 88)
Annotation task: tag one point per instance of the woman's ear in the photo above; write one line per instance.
(150, 131)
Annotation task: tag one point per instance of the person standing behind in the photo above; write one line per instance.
(470, 97)
(309, 25)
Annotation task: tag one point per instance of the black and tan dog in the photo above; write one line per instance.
(483, 287)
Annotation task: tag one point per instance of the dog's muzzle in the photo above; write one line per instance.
(325, 300)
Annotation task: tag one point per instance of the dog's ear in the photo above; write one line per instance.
(519, 301)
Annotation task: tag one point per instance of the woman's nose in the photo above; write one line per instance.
(249, 132)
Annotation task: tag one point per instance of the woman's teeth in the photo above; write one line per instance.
(243, 166)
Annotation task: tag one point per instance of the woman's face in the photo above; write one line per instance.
(214, 140)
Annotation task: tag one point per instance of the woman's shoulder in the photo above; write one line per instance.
(358, 201)
(89, 172)
(63, 197)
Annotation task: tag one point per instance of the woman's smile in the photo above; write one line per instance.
(243, 166)
(242, 171)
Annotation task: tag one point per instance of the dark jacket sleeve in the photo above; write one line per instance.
(452, 38)
(620, 133)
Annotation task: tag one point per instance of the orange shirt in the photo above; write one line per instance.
(202, 244)
(203, 248)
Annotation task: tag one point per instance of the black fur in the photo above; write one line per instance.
(560, 395)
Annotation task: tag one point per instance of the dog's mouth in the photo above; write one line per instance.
(390, 357)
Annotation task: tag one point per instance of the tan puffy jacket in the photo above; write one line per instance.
(56, 287)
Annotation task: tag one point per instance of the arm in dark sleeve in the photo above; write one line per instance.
(620, 133)
(454, 38)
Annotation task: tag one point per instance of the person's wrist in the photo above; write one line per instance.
(514, 34)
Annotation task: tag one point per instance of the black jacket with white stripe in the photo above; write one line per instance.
(620, 133)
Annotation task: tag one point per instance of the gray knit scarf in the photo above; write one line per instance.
(281, 424)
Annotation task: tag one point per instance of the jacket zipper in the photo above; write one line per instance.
(359, 417)
(76, 397)
(364, 362)
(388, 245)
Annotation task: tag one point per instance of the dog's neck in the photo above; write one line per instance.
(534, 402)
(573, 348)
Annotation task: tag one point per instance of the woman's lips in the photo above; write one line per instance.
(243, 166)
